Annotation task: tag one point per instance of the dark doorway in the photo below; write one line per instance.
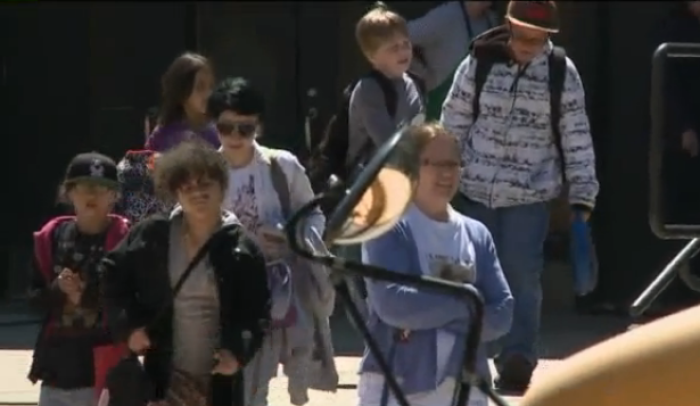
(45, 72)
(287, 49)
(45, 119)
(75, 77)
(131, 45)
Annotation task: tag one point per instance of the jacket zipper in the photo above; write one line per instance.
(513, 91)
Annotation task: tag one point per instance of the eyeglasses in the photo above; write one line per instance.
(527, 40)
(447, 165)
(243, 129)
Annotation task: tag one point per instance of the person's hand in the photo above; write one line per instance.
(272, 241)
(585, 215)
(138, 341)
(227, 363)
(689, 142)
(69, 282)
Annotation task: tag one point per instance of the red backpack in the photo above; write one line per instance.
(106, 356)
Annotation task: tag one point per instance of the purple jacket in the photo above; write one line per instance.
(165, 137)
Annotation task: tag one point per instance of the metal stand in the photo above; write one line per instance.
(664, 279)
(471, 296)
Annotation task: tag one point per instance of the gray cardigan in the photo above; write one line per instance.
(443, 36)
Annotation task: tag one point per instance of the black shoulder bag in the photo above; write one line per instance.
(128, 384)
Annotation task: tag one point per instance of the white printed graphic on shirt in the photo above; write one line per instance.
(242, 200)
(453, 269)
(443, 251)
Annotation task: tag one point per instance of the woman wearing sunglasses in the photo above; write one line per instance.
(186, 86)
(423, 333)
(265, 187)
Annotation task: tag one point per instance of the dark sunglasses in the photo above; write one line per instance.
(243, 129)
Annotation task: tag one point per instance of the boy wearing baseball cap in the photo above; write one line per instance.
(524, 133)
(74, 350)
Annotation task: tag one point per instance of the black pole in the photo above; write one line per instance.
(657, 150)
(664, 279)
(657, 189)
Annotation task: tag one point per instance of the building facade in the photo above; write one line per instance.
(80, 76)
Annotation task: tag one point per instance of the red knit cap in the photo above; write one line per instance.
(540, 15)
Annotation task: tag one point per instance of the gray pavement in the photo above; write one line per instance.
(563, 334)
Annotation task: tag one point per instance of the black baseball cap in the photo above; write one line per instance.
(92, 167)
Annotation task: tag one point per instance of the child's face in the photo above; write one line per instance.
(200, 197)
(394, 55)
(237, 132)
(91, 199)
(439, 175)
(526, 42)
(201, 90)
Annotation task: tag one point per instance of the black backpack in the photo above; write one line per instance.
(330, 157)
(490, 48)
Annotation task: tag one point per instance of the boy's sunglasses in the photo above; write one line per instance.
(243, 129)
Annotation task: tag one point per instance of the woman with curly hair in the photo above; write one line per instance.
(188, 289)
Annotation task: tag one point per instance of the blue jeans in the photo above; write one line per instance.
(49, 396)
(519, 233)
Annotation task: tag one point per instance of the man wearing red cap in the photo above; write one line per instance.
(516, 156)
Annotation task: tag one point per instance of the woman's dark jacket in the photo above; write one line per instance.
(137, 293)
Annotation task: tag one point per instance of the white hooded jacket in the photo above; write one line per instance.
(509, 153)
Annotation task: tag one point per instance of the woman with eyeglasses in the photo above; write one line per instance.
(186, 86)
(266, 186)
(421, 332)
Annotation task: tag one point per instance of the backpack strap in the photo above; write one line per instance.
(467, 21)
(117, 230)
(420, 84)
(279, 181)
(557, 76)
(488, 48)
(391, 102)
(45, 241)
(483, 67)
(390, 96)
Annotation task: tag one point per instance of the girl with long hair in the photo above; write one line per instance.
(186, 87)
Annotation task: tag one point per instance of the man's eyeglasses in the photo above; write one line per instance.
(243, 129)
